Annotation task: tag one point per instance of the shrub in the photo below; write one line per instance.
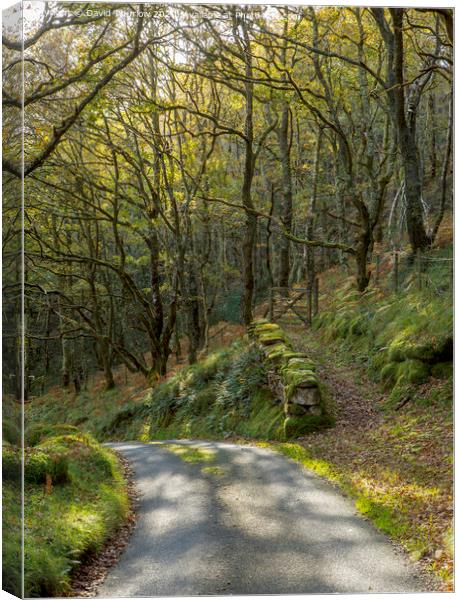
(40, 431)
(39, 463)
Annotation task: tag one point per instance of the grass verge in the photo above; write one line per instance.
(68, 521)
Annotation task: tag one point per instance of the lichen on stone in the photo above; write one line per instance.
(277, 354)
(271, 337)
(293, 381)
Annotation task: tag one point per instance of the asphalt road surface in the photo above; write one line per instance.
(257, 524)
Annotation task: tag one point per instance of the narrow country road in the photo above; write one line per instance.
(249, 522)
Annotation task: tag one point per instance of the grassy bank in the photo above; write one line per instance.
(68, 515)
(401, 339)
(225, 394)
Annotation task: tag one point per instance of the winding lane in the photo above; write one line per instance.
(249, 522)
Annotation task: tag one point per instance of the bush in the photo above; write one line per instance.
(38, 464)
(40, 431)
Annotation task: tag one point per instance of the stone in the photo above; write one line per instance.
(300, 363)
(306, 396)
(296, 410)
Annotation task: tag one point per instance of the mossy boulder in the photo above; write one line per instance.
(294, 379)
(413, 344)
(271, 338)
(300, 363)
(265, 328)
(439, 349)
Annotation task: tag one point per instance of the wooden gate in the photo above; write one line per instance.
(285, 303)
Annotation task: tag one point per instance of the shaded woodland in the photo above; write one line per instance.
(182, 161)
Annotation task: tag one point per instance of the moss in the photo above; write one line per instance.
(294, 427)
(299, 363)
(272, 337)
(411, 371)
(294, 379)
(436, 350)
(279, 353)
(265, 327)
(260, 323)
(40, 431)
(294, 410)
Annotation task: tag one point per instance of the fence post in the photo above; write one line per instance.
(309, 297)
(316, 297)
(419, 270)
(396, 271)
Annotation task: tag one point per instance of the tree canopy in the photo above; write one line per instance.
(179, 161)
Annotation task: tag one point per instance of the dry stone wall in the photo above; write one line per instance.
(292, 379)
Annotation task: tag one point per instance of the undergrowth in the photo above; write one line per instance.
(224, 395)
(402, 339)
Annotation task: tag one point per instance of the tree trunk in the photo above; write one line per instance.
(406, 130)
(250, 224)
(310, 251)
(286, 211)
